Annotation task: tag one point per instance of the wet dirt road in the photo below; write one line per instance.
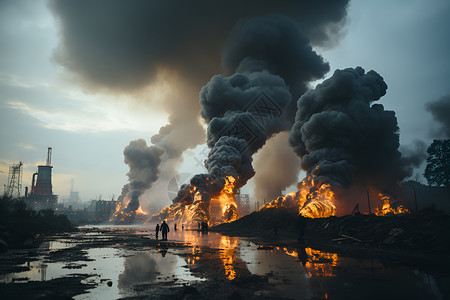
(107, 262)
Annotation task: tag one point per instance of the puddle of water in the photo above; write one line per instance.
(321, 275)
(123, 268)
(324, 275)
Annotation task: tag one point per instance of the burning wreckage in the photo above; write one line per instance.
(341, 136)
(337, 144)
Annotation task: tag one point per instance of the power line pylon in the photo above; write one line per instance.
(14, 180)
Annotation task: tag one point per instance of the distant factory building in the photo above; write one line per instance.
(243, 203)
(41, 195)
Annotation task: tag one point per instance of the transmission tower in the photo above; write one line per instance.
(14, 180)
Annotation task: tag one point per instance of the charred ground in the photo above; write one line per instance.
(419, 238)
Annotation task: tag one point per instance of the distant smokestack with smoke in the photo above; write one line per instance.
(143, 162)
(440, 109)
(342, 137)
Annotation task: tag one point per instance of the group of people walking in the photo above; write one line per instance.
(164, 228)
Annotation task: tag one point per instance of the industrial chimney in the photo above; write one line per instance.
(44, 177)
(41, 194)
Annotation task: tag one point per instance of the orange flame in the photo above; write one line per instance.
(311, 201)
(122, 216)
(221, 209)
(387, 207)
(139, 211)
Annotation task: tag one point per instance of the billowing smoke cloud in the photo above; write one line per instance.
(341, 136)
(122, 46)
(277, 44)
(143, 162)
(277, 168)
(440, 109)
(246, 108)
(183, 132)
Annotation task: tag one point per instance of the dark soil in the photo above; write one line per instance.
(60, 288)
(423, 237)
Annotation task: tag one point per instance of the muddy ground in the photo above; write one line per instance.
(423, 238)
(215, 281)
(389, 258)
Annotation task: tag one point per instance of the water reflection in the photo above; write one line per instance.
(224, 258)
(228, 255)
(305, 272)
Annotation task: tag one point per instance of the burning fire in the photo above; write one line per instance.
(223, 208)
(389, 207)
(311, 200)
(122, 215)
(219, 209)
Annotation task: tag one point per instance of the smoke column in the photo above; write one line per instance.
(440, 109)
(246, 108)
(117, 47)
(143, 162)
(277, 168)
(277, 44)
(343, 137)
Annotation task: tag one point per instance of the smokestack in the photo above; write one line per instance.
(49, 156)
(33, 181)
(44, 181)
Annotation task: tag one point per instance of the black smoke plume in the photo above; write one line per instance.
(277, 44)
(143, 162)
(246, 108)
(272, 44)
(343, 137)
(120, 45)
(124, 47)
(440, 109)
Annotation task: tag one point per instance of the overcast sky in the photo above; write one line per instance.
(42, 103)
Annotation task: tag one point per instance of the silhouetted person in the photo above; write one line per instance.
(198, 224)
(302, 255)
(355, 211)
(204, 226)
(301, 225)
(164, 229)
(157, 231)
(175, 227)
(182, 226)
